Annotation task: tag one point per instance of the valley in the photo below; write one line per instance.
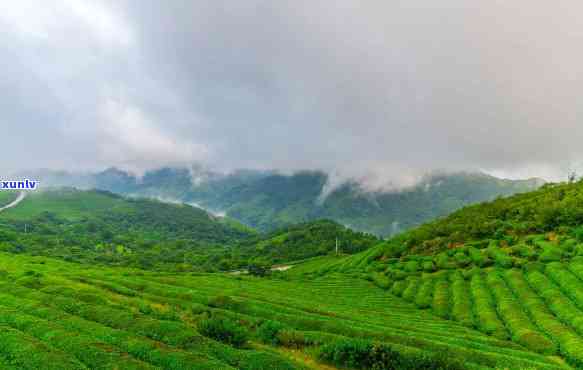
(97, 280)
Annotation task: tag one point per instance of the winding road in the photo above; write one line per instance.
(15, 202)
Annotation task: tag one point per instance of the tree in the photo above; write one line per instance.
(258, 268)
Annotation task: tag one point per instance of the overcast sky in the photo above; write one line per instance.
(388, 88)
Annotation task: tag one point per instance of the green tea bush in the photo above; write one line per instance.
(568, 245)
(500, 258)
(224, 302)
(224, 330)
(268, 330)
(399, 287)
(477, 257)
(486, 317)
(441, 298)
(363, 354)
(411, 291)
(570, 344)
(428, 266)
(412, 266)
(461, 309)
(424, 296)
(550, 252)
(461, 259)
(534, 266)
(557, 302)
(380, 280)
(516, 320)
(291, 338)
(568, 283)
(443, 261)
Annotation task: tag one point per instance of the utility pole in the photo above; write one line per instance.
(336, 245)
(25, 228)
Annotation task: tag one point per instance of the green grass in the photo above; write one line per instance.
(74, 317)
(6, 197)
(71, 205)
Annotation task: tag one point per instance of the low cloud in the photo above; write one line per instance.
(381, 92)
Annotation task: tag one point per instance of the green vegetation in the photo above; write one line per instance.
(497, 285)
(268, 201)
(512, 269)
(60, 315)
(104, 228)
(100, 227)
(306, 240)
(6, 197)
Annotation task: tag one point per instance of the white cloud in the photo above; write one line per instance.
(378, 91)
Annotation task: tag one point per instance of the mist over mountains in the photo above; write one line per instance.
(267, 200)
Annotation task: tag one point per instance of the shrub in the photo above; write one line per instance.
(442, 261)
(461, 309)
(428, 266)
(441, 299)
(518, 323)
(268, 330)
(224, 330)
(477, 257)
(291, 338)
(412, 266)
(424, 295)
(411, 291)
(487, 318)
(500, 258)
(363, 354)
(399, 287)
(380, 280)
(222, 301)
(461, 259)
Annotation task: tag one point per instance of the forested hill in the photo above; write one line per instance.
(306, 240)
(266, 200)
(102, 227)
(554, 208)
(98, 226)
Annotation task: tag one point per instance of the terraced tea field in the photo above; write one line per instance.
(57, 315)
(530, 294)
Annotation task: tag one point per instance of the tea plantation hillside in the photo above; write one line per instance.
(60, 315)
(512, 269)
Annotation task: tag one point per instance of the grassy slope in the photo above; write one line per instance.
(512, 269)
(6, 197)
(171, 220)
(100, 227)
(72, 316)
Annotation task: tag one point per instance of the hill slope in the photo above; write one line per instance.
(268, 200)
(512, 268)
(57, 315)
(102, 227)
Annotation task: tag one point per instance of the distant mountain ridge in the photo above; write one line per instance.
(268, 200)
